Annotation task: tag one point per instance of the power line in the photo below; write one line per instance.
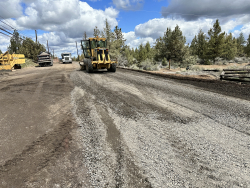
(5, 31)
(5, 34)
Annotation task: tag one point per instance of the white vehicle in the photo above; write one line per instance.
(66, 58)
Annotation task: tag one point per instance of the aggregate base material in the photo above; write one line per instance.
(61, 127)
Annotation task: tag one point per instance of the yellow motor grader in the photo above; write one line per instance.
(10, 61)
(96, 55)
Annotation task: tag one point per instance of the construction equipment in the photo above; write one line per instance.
(45, 59)
(96, 55)
(66, 58)
(10, 61)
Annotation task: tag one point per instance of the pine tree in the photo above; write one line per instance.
(230, 47)
(30, 49)
(15, 43)
(215, 43)
(247, 48)
(85, 35)
(108, 34)
(201, 45)
(158, 49)
(1, 51)
(175, 43)
(96, 32)
(240, 44)
(194, 46)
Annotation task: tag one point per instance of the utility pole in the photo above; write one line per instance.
(48, 45)
(77, 51)
(36, 35)
(53, 54)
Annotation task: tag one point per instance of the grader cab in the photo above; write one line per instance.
(96, 55)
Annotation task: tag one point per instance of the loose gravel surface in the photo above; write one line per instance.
(61, 127)
(146, 131)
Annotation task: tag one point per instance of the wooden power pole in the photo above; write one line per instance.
(36, 35)
(48, 45)
(77, 51)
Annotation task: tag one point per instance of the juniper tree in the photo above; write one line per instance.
(193, 46)
(247, 48)
(215, 43)
(96, 32)
(230, 47)
(240, 44)
(31, 49)
(15, 42)
(201, 45)
(174, 44)
(158, 49)
(108, 33)
(85, 35)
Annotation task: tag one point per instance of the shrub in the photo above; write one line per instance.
(164, 62)
(148, 65)
(134, 66)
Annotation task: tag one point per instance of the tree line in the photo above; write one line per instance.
(25, 45)
(172, 46)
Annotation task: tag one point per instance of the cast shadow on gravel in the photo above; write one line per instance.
(97, 72)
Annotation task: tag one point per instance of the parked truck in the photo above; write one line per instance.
(45, 59)
(66, 58)
(96, 55)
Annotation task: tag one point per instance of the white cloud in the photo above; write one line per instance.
(155, 28)
(133, 41)
(128, 4)
(193, 9)
(10, 9)
(66, 16)
(4, 43)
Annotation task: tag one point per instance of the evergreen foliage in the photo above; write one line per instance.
(30, 49)
(1, 51)
(230, 47)
(96, 31)
(25, 46)
(15, 43)
(240, 44)
(215, 43)
(201, 45)
(171, 45)
(247, 49)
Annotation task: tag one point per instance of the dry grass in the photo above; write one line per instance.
(28, 63)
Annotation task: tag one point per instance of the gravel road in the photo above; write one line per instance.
(61, 127)
(145, 131)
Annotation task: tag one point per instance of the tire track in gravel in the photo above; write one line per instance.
(230, 107)
(164, 128)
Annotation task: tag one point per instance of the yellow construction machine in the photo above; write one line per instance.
(96, 55)
(10, 61)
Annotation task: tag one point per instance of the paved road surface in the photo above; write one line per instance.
(61, 127)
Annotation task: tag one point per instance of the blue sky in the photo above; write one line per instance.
(62, 22)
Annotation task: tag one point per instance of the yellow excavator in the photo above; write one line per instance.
(10, 61)
(96, 55)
